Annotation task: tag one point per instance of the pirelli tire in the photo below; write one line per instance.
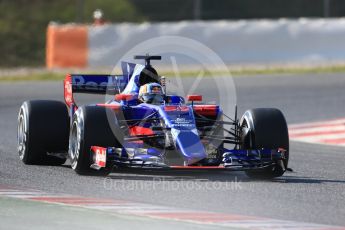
(92, 126)
(265, 128)
(43, 127)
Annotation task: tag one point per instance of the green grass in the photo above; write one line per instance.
(268, 71)
(291, 70)
(54, 76)
(48, 76)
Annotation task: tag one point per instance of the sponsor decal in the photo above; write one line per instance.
(99, 83)
(100, 155)
(183, 122)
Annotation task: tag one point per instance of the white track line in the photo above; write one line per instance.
(161, 212)
(330, 132)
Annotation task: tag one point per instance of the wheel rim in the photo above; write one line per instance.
(21, 137)
(74, 145)
(242, 126)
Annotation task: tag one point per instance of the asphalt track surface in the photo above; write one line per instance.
(314, 192)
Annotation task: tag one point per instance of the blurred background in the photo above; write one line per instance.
(23, 23)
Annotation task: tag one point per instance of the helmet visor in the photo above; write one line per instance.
(153, 98)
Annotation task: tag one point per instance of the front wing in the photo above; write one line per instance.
(236, 160)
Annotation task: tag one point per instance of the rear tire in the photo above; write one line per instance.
(43, 127)
(267, 129)
(91, 127)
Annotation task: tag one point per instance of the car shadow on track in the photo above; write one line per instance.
(305, 180)
(207, 175)
(179, 176)
(219, 176)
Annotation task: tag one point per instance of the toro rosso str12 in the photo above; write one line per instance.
(141, 126)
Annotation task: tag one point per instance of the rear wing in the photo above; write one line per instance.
(96, 84)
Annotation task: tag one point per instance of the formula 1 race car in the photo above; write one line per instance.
(142, 127)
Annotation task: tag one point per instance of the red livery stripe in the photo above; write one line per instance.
(196, 167)
(111, 106)
(206, 110)
(139, 130)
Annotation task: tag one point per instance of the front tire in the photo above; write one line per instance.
(265, 128)
(92, 126)
(43, 127)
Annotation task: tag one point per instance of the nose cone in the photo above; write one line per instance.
(190, 147)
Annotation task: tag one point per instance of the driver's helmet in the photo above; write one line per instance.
(151, 93)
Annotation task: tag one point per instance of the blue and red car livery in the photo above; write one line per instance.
(125, 132)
